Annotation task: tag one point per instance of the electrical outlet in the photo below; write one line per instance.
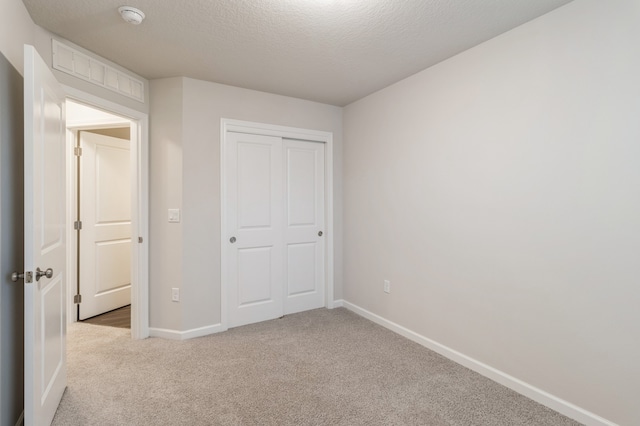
(387, 286)
(175, 294)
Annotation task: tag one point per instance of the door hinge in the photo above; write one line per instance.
(77, 299)
(139, 240)
(77, 225)
(77, 151)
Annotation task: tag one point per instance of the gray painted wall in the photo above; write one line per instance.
(185, 174)
(503, 186)
(11, 248)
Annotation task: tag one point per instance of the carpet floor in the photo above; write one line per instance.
(322, 367)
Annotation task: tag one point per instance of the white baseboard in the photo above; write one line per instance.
(563, 407)
(336, 304)
(20, 419)
(187, 334)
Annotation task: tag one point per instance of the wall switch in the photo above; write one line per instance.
(387, 286)
(175, 294)
(174, 215)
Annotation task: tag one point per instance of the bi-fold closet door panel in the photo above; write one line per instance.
(275, 220)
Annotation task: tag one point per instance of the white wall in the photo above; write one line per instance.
(16, 29)
(165, 239)
(499, 192)
(197, 164)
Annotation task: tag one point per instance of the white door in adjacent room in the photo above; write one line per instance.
(274, 222)
(45, 372)
(105, 213)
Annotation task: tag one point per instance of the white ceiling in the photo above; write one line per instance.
(330, 51)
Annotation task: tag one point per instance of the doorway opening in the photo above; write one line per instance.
(106, 210)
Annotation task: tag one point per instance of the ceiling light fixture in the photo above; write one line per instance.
(131, 14)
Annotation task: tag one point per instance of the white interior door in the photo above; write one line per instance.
(44, 245)
(304, 225)
(255, 223)
(105, 213)
(275, 221)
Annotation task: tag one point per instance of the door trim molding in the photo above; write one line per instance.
(140, 205)
(240, 126)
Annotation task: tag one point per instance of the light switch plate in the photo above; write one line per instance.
(174, 215)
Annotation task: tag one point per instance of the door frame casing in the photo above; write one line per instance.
(139, 126)
(240, 126)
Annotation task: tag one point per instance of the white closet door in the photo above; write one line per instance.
(254, 228)
(304, 225)
(105, 212)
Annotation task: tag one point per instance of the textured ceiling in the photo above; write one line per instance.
(330, 51)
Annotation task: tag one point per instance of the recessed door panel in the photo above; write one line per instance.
(254, 276)
(301, 269)
(113, 179)
(53, 335)
(254, 185)
(301, 186)
(51, 165)
(113, 266)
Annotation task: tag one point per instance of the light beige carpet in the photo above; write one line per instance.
(315, 368)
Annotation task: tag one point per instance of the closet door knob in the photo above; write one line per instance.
(232, 240)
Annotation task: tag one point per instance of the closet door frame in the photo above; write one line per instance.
(239, 126)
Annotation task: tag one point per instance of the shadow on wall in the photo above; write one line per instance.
(11, 243)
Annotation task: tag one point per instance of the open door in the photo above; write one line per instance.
(45, 372)
(105, 212)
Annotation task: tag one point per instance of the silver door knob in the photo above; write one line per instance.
(232, 240)
(319, 233)
(27, 276)
(40, 273)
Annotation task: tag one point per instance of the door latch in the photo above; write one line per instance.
(27, 276)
